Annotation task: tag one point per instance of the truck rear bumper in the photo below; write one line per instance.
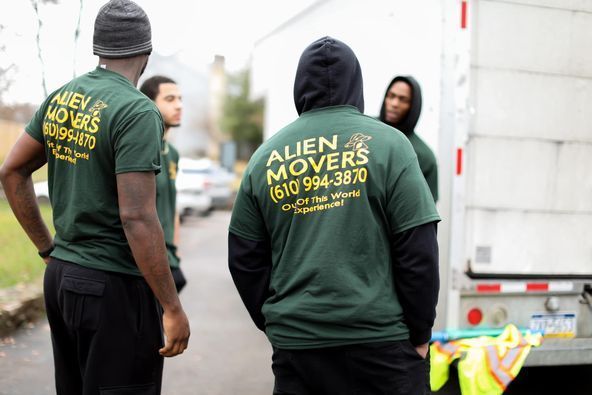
(554, 352)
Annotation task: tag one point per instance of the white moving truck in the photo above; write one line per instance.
(508, 110)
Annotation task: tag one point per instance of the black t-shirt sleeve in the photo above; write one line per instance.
(417, 281)
(249, 262)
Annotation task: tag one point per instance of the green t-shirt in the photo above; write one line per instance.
(427, 163)
(94, 127)
(166, 195)
(329, 191)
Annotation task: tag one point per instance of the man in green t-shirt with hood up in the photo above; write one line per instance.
(401, 109)
(107, 286)
(332, 241)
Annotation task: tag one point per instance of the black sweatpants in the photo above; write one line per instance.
(393, 368)
(106, 329)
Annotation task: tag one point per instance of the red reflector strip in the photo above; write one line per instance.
(537, 287)
(463, 15)
(459, 155)
(514, 287)
(489, 287)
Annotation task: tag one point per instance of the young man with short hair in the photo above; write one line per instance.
(165, 93)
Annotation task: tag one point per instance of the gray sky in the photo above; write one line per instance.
(194, 31)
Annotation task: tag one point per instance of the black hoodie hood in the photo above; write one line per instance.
(328, 74)
(407, 125)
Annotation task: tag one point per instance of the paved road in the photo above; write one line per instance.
(226, 355)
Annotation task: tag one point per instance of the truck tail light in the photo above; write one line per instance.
(475, 316)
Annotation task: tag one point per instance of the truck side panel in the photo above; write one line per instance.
(529, 150)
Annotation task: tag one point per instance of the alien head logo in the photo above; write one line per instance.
(357, 142)
(96, 108)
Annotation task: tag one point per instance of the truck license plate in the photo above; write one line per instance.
(554, 325)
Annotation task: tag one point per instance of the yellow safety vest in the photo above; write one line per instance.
(487, 364)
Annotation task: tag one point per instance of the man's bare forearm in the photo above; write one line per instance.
(146, 240)
(137, 209)
(18, 187)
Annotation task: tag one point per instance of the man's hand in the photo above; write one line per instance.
(46, 260)
(137, 209)
(422, 350)
(176, 330)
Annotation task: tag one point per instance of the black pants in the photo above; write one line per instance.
(373, 368)
(179, 277)
(106, 329)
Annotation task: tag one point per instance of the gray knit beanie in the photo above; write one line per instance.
(122, 30)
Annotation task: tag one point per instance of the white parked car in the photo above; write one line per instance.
(217, 180)
(41, 191)
(192, 198)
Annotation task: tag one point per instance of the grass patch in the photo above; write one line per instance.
(19, 261)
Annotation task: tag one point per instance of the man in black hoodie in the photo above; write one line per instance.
(401, 109)
(332, 242)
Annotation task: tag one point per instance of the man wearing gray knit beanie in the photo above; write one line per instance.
(122, 30)
(108, 287)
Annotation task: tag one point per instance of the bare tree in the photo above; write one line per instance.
(5, 70)
(35, 4)
(76, 36)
